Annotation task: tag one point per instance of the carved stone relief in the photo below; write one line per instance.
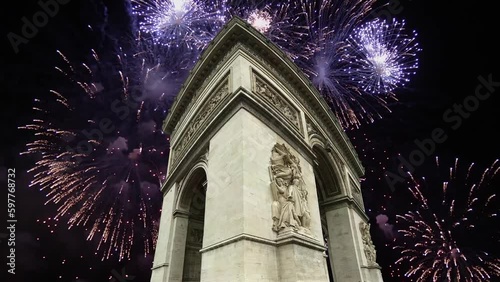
(278, 101)
(368, 246)
(213, 101)
(356, 193)
(290, 209)
(212, 71)
(333, 134)
(311, 129)
(196, 235)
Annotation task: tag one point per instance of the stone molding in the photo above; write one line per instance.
(356, 194)
(342, 202)
(375, 266)
(180, 213)
(266, 91)
(165, 264)
(237, 238)
(290, 208)
(200, 117)
(299, 239)
(281, 240)
(240, 99)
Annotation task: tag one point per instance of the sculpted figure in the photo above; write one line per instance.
(289, 208)
(369, 247)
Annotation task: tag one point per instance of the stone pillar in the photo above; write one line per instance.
(178, 245)
(162, 251)
(350, 257)
(301, 258)
(239, 242)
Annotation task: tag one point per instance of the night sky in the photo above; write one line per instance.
(459, 44)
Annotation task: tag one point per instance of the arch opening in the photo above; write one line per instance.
(327, 186)
(192, 201)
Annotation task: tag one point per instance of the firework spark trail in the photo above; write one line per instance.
(113, 194)
(334, 19)
(436, 240)
(164, 68)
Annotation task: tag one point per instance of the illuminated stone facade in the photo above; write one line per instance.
(261, 175)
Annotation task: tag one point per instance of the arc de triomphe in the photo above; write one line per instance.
(261, 176)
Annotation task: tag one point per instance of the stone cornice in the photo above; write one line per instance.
(165, 264)
(300, 239)
(344, 201)
(237, 238)
(375, 266)
(290, 238)
(238, 31)
(180, 213)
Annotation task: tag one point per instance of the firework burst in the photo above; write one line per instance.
(351, 104)
(450, 238)
(187, 24)
(318, 35)
(331, 23)
(260, 20)
(100, 158)
(100, 155)
(279, 21)
(334, 18)
(382, 56)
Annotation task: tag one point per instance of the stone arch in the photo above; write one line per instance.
(191, 207)
(188, 192)
(329, 181)
(316, 139)
(327, 172)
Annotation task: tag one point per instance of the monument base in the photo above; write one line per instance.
(300, 258)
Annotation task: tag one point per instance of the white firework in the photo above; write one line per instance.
(180, 23)
(381, 56)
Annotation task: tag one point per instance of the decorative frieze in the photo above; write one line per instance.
(194, 125)
(267, 92)
(336, 133)
(311, 129)
(356, 192)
